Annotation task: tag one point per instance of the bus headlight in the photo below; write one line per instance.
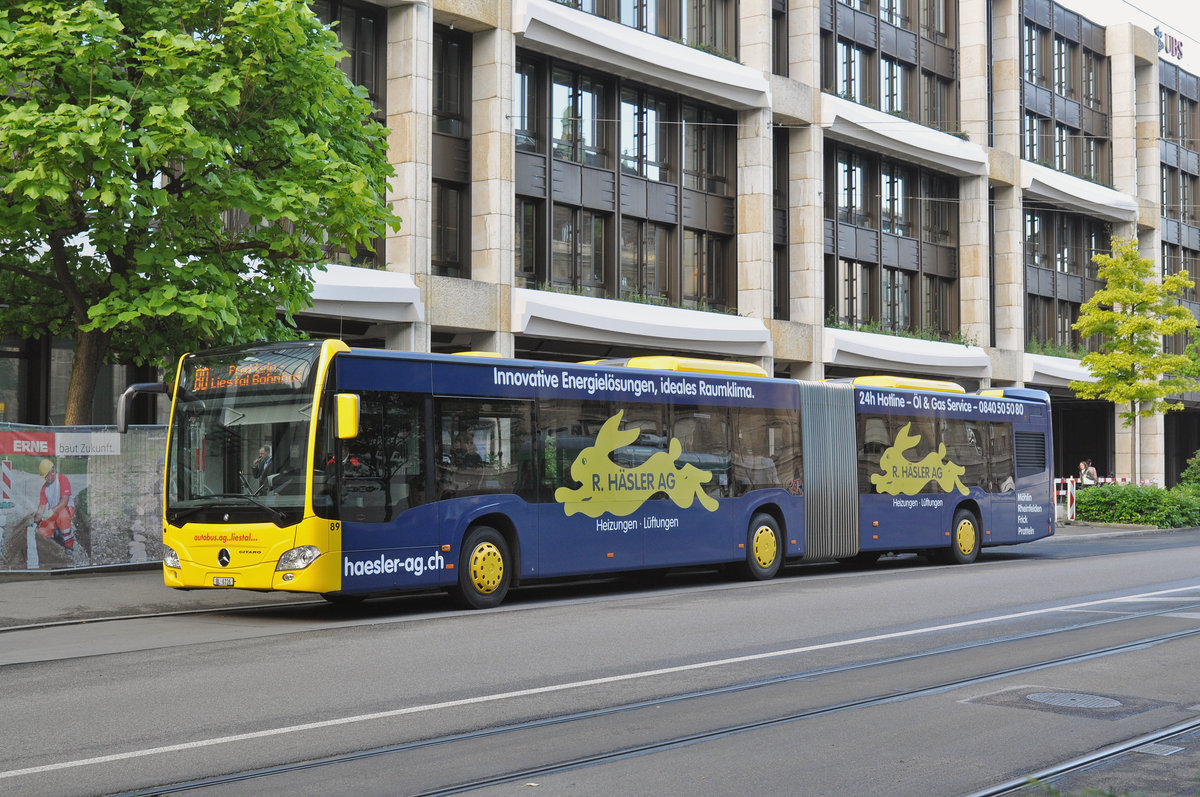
(171, 557)
(298, 558)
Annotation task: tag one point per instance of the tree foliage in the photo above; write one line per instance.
(1132, 314)
(133, 132)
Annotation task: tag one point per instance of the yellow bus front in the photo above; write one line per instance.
(245, 472)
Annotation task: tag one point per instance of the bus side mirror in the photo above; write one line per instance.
(126, 400)
(347, 416)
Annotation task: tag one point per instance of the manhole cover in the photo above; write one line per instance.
(1073, 700)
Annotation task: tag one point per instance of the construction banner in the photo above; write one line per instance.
(79, 496)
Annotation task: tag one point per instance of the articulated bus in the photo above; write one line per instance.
(345, 472)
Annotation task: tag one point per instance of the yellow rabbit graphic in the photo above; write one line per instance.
(618, 490)
(903, 477)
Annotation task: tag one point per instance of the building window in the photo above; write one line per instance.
(1066, 248)
(527, 237)
(894, 87)
(895, 199)
(1039, 315)
(647, 15)
(851, 73)
(360, 31)
(525, 105)
(1066, 314)
(935, 20)
(577, 251)
(1034, 54)
(852, 193)
(938, 106)
(578, 118)
(1062, 160)
(779, 40)
(645, 135)
(939, 305)
(708, 141)
(1032, 138)
(1064, 67)
(447, 226)
(895, 12)
(705, 270)
(709, 23)
(854, 292)
(782, 283)
(1170, 193)
(941, 210)
(644, 258)
(1091, 80)
(896, 308)
(451, 95)
(1091, 159)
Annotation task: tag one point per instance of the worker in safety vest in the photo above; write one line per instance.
(55, 511)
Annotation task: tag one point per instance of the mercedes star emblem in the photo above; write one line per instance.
(223, 557)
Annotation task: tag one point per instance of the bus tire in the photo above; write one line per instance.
(964, 539)
(484, 569)
(764, 548)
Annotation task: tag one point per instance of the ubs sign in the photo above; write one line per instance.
(1169, 44)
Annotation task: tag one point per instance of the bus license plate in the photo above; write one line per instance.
(222, 581)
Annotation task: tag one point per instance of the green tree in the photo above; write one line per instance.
(133, 132)
(1132, 314)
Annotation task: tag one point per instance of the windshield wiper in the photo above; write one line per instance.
(275, 513)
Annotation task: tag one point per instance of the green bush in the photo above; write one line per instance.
(1191, 474)
(1129, 503)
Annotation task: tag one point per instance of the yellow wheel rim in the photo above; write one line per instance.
(964, 536)
(487, 568)
(766, 546)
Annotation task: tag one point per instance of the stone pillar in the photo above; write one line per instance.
(806, 240)
(410, 142)
(974, 266)
(754, 214)
(974, 101)
(806, 189)
(1007, 80)
(754, 172)
(1008, 240)
(493, 174)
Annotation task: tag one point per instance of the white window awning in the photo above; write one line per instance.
(558, 29)
(365, 294)
(882, 132)
(1044, 371)
(567, 317)
(1074, 193)
(930, 358)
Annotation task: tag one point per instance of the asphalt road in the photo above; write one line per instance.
(904, 679)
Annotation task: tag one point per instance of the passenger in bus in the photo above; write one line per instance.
(463, 453)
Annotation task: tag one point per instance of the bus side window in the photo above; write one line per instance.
(703, 433)
(1001, 474)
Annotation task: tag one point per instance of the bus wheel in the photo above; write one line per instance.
(483, 570)
(764, 548)
(964, 539)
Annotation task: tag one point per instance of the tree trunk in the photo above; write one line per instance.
(90, 348)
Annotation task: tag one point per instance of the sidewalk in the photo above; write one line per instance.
(66, 596)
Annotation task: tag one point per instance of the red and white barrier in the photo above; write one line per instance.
(5, 483)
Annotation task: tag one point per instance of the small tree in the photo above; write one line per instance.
(1132, 314)
(132, 133)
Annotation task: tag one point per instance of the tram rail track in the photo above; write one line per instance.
(733, 729)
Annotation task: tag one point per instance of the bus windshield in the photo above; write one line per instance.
(239, 435)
